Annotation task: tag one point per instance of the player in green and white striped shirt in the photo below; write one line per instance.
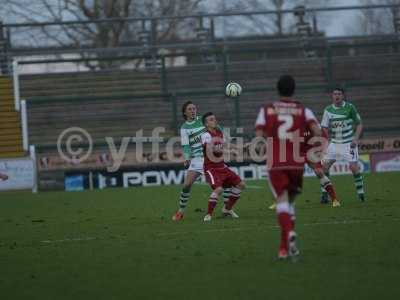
(191, 132)
(343, 125)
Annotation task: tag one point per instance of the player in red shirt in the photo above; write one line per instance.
(284, 124)
(314, 162)
(217, 173)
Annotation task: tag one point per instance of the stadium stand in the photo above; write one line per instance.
(101, 118)
(376, 68)
(10, 135)
(259, 73)
(105, 103)
(118, 103)
(377, 105)
(3, 53)
(366, 88)
(81, 84)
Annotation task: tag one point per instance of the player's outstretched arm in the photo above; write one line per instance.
(357, 135)
(315, 129)
(261, 123)
(325, 132)
(259, 133)
(313, 123)
(185, 147)
(358, 130)
(325, 124)
(186, 155)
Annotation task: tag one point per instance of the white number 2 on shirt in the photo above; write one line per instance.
(283, 129)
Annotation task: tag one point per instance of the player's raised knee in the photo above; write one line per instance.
(218, 190)
(241, 185)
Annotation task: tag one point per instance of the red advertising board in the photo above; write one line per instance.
(385, 162)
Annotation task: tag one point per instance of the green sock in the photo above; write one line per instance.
(226, 194)
(184, 199)
(359, 183)
(323, 191)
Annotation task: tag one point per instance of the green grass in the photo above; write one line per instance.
(121, 244)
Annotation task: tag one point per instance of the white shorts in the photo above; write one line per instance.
(196, 164)
(342, 152)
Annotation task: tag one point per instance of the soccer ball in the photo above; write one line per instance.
(233, 89)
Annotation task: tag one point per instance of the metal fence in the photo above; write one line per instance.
(201, 48)
(144, 35)
(363, 58)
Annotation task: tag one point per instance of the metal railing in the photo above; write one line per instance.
(207, 15)
(238, 101)
(222, 57)
(222, 60)
(205, 34)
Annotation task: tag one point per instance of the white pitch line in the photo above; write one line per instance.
(254, 187)
(69, 240)
(207, 231)
(258, 226)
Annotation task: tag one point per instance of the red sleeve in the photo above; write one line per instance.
(261, 121)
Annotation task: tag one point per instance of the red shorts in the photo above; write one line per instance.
(222, 177)
(286, 180)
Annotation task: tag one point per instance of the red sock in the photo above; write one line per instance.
(331, 191)
(211, 206)
(285, 221)
(293, 221)
(232, 201)
(212, 202)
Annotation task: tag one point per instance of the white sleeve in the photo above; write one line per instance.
(184, 137)
(261, 121)
(310, 115)
(206, 138)
(325, 120)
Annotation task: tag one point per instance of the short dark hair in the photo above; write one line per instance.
(205, 116)
(339, 88)
(286, 86)
(184, 106)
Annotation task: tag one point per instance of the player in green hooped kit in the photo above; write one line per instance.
(343, 125)
(191, 132)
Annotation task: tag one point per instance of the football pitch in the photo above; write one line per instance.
(122, 244)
